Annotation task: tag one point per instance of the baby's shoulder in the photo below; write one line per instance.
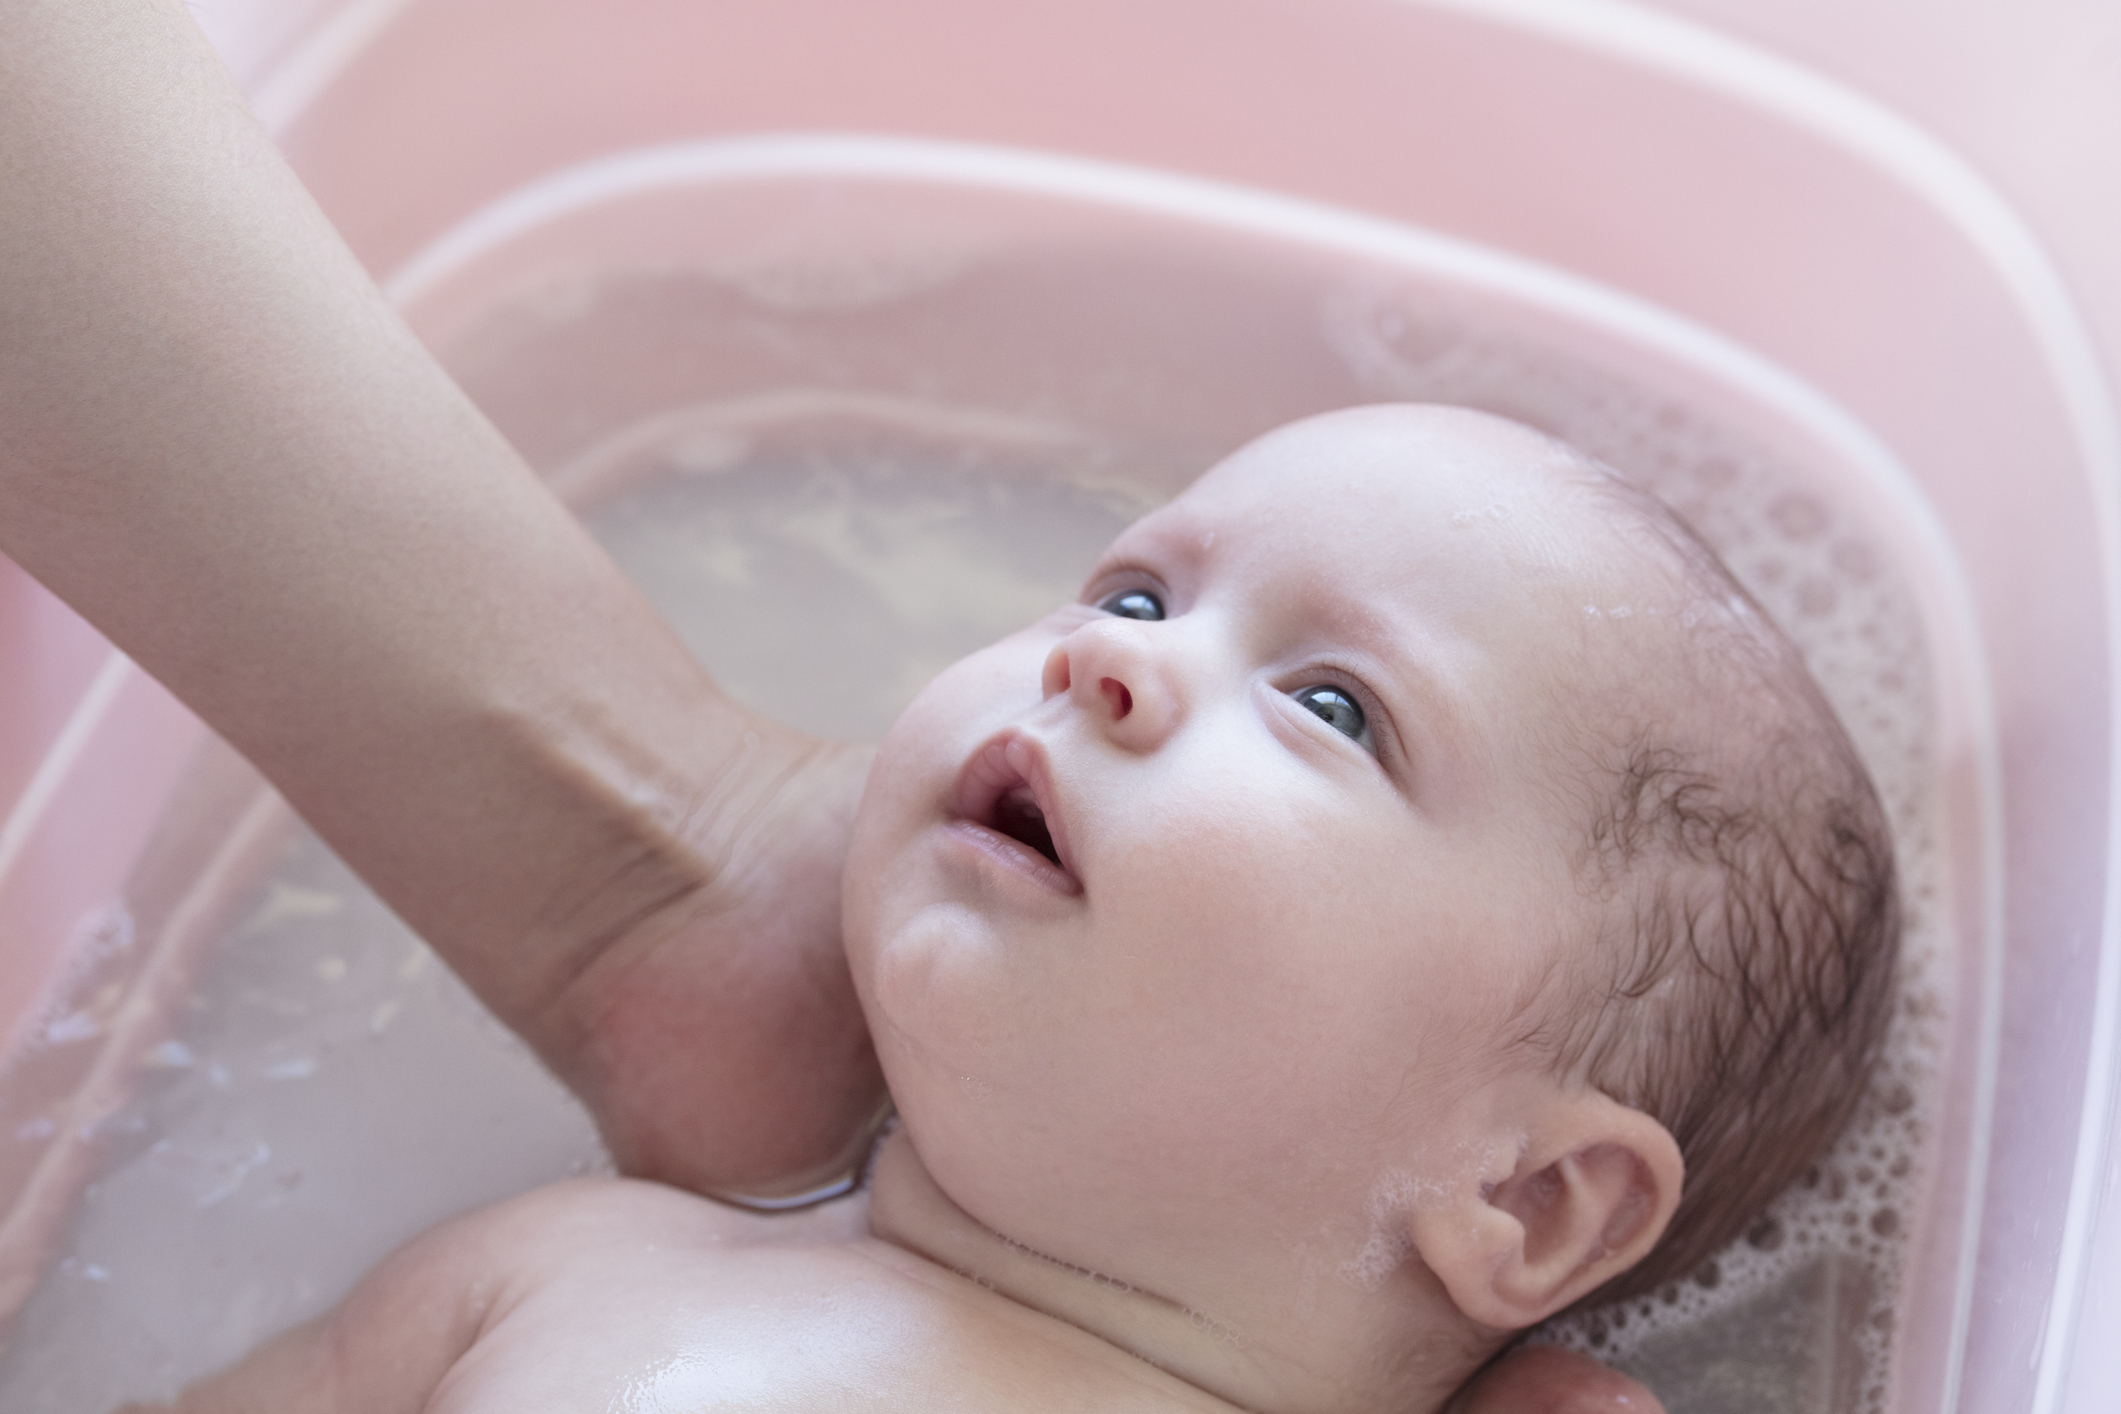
(595, 1220)
(632, 1295)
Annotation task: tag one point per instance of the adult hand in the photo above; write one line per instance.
(1539, 1379)
(719, 1043)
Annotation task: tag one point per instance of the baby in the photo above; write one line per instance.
(1413, 890)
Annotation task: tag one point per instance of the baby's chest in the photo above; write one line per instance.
(788, 1330)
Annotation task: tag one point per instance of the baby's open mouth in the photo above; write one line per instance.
(1005, 788)
(1017, 815)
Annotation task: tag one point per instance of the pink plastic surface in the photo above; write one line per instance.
(1785, 211)
(89, 749)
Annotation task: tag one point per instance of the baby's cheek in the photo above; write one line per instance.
(1238, 850)
(1236, 919)
(932, 991)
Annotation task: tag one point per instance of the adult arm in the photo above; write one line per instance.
(220, 445)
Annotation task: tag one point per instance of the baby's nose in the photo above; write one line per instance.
(1110, 670)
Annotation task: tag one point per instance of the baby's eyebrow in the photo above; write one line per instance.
(1174, 531)
(1429, 703)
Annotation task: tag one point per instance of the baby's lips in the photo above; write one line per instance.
(1027, 756)
(1004, 762)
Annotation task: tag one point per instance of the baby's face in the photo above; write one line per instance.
(1301, 753)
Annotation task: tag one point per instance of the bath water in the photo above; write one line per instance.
(839, 454)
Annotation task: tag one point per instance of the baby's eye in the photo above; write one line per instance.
(1133, 604)
(1336, 709)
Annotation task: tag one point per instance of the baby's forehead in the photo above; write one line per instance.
(1421, 494)
(1393, 443)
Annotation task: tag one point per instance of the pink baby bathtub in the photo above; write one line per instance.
(1912, 222)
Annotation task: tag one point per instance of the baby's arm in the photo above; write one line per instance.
(390, 1345)
(220, 444)
(361, 1359)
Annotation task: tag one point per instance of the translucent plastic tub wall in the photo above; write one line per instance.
(1677, 158)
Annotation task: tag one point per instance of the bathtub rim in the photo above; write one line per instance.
(1907, 154)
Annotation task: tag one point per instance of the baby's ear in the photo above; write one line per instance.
(1594, 1185)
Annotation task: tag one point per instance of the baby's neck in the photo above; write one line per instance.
(1336, 1354)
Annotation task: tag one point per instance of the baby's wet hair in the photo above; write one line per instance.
(1742, 870)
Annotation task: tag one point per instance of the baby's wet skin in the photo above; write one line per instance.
(647, 1300)
(616, 1295)
(624, 1297)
